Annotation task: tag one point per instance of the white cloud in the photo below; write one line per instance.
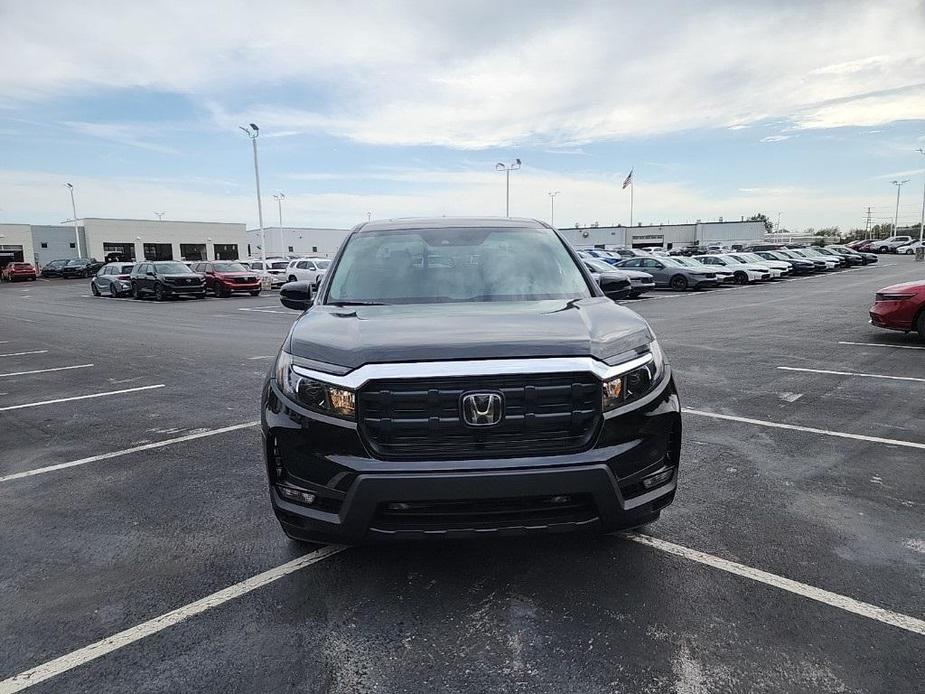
(479, 74)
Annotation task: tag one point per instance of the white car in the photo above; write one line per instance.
(890, 245)
(275, 268)
(909, 248)
(307, 269)
(742, 273)
(784, 268)
(726, 275)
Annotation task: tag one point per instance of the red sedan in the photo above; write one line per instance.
(900, 307)
(224, 277)
(18, 271)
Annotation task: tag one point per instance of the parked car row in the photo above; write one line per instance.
(162, 279)
(706, 270)
(902, 244)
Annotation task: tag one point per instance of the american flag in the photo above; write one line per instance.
(628, 180)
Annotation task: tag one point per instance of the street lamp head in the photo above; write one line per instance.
(255, 128)
(68, 185)
(516, 164)
(500, 167)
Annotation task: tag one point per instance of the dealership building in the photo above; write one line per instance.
(302, 241)
(667, 235)
(123, 239)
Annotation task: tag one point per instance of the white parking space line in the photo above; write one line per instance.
(851, 373)
(878, 344)
(842, 602)
(19, 354)
(809, 430)
(81, 656)
(55, 667)
(42, 371)
(125, 451)
(80, 397)
(261, 310)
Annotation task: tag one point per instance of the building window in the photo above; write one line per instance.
(226, 251)
(290, 249)
(158, 251)
(193, 251)
(44, 244)
(314, 249)
(72, 244)
(118, 251)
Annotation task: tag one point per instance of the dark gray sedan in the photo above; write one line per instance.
(640, 282)
(112, 280)
(668, 272)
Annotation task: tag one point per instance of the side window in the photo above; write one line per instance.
(257, 265)
(302, 264)
(310, 265)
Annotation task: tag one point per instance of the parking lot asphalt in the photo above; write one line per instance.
(803, 476)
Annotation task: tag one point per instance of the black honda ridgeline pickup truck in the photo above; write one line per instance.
(461, 378)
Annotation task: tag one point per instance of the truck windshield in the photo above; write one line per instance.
(426, 266)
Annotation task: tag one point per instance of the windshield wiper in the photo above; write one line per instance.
(356, 303)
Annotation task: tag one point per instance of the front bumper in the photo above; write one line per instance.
(359, 498)
(892, 315)
(239, 287)
(182, 289)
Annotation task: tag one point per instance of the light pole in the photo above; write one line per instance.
(159, 215)
(899, 186)
(279, 197)
(253, 132)
(507, 168)
(552, 208)
(74, 210)
(922, 220)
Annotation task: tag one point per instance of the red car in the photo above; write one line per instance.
(900, 307)
(225, 277)
(18, 271)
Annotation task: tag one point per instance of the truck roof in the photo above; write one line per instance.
(452, 222)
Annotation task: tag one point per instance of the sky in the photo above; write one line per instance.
(807, 110)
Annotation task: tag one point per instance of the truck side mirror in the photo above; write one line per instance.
(296, 295)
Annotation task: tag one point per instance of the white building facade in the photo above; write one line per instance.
(145, 239)
(297, 241)
(667, 235)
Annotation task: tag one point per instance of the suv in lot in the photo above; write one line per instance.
(307, 269)
(166, 278)
(889, 245)
(463, 377)
(225, 277)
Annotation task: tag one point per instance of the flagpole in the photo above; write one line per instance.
(632, 188)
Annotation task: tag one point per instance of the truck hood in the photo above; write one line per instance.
(356, 335)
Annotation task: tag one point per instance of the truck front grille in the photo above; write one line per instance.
(421, 419)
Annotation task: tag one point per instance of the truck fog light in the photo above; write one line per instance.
(297, 495)
(657, 479)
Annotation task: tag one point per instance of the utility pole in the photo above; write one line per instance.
(552, 208)
(867, 225)
(778, 222)
(74, 210)
(279, 201)
(253, 132)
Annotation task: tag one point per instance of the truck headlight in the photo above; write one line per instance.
(632, 385)
(313, 394)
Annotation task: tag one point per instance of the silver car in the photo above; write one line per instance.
(113, 279)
